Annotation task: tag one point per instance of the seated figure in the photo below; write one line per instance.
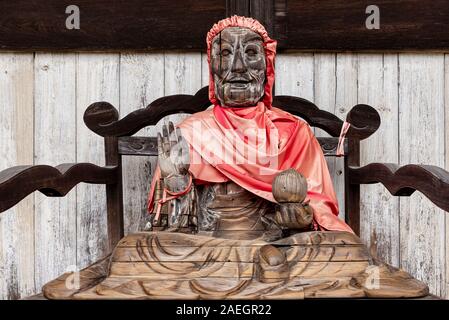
(228, 156)
(241, 203)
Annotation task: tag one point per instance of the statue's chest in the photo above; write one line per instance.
(229, 211)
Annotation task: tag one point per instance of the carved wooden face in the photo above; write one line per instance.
(238, 67)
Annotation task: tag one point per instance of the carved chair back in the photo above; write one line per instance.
(103, 119)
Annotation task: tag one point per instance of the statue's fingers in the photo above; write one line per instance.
(278, 218)
(164, 131)
(172, 135)
(182, 142)
(166, 145)
(171, 127)
(183, 157)
(179, 134)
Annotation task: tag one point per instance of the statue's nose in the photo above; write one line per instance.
(238, 64)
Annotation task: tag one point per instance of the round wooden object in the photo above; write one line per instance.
(289, 186)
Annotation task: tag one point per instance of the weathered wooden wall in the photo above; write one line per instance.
(43, 97)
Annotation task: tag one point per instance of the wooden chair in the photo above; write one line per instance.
(102, 118)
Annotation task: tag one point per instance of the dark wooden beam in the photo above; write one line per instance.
(340, 25)
(352, 191)
(102, 117)
(147, 146)
(263, 11)
(18, 182)
(108, 25)
(432, 181)
(141, 25)
(238, 7)
(114, 194)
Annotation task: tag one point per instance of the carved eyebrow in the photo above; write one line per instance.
(217, 41)
(253, 38)
(250, 38)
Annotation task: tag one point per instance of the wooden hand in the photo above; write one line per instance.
(173, 152)
(294, 215)
(290, 191)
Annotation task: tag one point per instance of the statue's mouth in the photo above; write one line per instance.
(239, 83)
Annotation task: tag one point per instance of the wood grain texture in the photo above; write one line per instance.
(299, 25)
(352, 191)
(55, 131)
(340, 26)
(238, 7)
(147, 146)
(446, 130)
(306, 253)
(160, 265)
(364, 119)
(18, 182)
(114, 194)
(106, 25)
(141, 82)
(294, 76)
(97, 79)
(88, 277)
(379, 211)
(103, 118)
(204, 70)
(421, 124)
(313, 238)
(16, 132)
(432, 181)
(345, 97)
(325, 86)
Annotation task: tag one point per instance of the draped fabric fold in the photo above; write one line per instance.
(251, 145)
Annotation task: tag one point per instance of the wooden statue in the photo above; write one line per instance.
(229, 231)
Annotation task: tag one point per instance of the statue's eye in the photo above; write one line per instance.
(251, 52)
(225, 52)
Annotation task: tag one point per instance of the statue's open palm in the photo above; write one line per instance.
(173, 151)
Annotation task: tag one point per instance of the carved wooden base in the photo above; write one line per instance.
(163, 265)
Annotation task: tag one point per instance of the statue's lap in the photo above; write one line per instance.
(164, 265)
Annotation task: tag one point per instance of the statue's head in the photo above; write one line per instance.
(238, 67)
(241, 60)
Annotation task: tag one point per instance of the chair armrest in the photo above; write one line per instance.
(18, 182)
(432, 181)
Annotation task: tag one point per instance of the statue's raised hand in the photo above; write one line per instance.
(173, 152)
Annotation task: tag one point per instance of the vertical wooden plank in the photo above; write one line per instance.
(446, 112)
(55, 132)
(238, 7)
(421, 140)
(97, 79)
(204, 70)
(141, 82)
(182, 73)
(16, 143)
(294, 75)
(379, 211)
(114, 194)
(325, 84)
(345, 99)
